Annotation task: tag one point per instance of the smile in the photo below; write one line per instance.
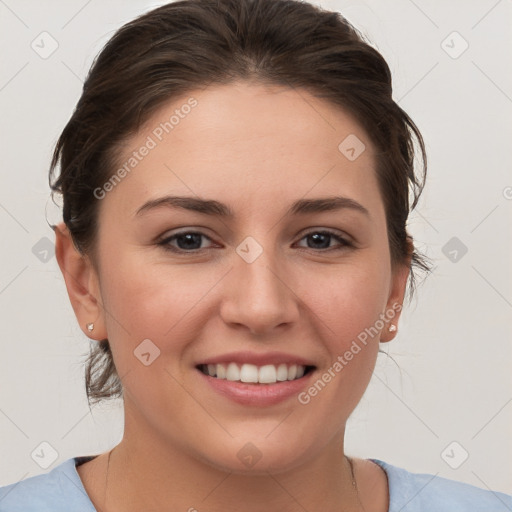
(250, 373)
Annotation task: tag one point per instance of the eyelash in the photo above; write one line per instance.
(165, 243)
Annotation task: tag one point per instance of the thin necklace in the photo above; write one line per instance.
(106, 477)
(354, 483)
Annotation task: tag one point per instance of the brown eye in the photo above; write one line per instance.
(186, 241)
(321, 240)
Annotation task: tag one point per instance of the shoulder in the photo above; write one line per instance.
(422, 492)
(54, 491)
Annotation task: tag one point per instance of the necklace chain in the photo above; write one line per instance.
(354, 483)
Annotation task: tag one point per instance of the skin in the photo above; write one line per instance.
(257, 149)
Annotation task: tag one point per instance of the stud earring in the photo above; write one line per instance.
(90, 327)
(392, 328)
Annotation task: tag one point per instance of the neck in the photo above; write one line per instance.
(142, 472)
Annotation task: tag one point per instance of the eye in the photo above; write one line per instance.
(187, 241)
(322, 239)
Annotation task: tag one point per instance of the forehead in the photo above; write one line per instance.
(247, 143)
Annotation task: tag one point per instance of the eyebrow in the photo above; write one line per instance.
(216, 208)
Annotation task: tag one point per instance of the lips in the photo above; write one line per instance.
(256, 394)
(253, 378)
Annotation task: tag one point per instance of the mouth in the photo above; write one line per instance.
(252, 374)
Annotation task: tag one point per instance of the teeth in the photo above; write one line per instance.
(249, 373)
(268, 374)
(221, 371)
(282, 372)
(232, 373)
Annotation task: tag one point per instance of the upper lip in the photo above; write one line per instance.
(257, 359)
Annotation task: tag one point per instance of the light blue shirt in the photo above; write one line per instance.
(61, 490)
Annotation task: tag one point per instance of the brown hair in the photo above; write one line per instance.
(190, 44)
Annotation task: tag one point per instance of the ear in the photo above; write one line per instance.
(394, 305)
(81, 282)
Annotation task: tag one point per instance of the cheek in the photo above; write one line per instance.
(348, 300)
(153, 301)
(348, 309)
(162, 304)
(348, 305)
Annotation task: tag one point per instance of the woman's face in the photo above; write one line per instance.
(260, 286)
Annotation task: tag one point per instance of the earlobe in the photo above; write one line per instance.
(81, 283)
(395, 302)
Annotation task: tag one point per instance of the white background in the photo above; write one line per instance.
(453, 347)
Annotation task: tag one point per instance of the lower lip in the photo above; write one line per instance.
(261, 395)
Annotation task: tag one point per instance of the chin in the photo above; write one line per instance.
(256, 458)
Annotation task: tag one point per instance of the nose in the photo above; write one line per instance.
(259, 296)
